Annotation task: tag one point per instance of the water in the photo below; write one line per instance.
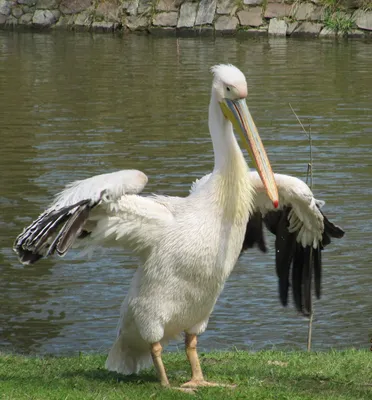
(75, 105)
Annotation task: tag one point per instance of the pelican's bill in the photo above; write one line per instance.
(238, 113)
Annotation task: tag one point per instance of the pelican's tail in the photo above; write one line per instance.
(126, 359)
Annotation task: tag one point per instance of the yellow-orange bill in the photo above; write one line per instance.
(237, 112)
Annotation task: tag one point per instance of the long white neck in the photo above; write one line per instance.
(227, 153)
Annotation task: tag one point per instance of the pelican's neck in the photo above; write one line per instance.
(227, 153)
(229, 183)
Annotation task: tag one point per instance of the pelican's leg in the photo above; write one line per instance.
(197, 378)
(156, 350)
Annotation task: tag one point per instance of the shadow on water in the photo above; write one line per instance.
(75, 105)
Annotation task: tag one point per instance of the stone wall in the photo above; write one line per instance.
(190, 17)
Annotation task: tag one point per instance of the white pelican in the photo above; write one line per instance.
(187, 246)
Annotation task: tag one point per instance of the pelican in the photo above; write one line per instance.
(188, 246)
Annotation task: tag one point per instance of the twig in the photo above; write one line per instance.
(309, 174)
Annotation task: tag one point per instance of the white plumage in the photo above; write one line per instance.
(187, 246)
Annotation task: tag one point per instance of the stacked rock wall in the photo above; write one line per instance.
(189, 17)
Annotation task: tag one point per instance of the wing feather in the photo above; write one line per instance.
(302, 231)
(94, 210)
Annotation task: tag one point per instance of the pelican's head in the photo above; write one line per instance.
(230, 89)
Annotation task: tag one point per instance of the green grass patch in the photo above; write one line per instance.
(263, 375)
(339, 22)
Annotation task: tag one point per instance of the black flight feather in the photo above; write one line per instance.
(296, 266)
(72, 229)
(285, 242)
(54, 230)
(254, 233)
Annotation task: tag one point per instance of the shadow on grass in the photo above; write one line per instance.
(103, 375)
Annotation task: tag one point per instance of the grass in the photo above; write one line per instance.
(265, 375)
(339, 22)
(336, 17)
(345, 4)
(365, 5)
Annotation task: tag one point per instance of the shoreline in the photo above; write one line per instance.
(187, 18)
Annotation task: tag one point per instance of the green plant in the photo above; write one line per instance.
(365, 5)
(332, 4)
(239, 4)
(339, 22)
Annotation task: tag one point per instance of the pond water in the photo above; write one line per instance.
(76, 105)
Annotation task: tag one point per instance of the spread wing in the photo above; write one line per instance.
(91, 212)
(302, 231)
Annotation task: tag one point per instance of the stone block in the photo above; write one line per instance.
(74, 6)
(251, 17)
(5, 7)
(43, 18)
(206, 11)
(275, 10)
(65, 20)
(303, 11)
(363, 19)
(163, 31)
(105, 25)
(26, 19)
(205, 31)
(317, 14)
(56, 13)
(291, 26)
(253, 2)
(11, 21)
(17, 12)
(226, 23)
(356, 33)
(308, 29)
(130, 6)
(168, 5)
(226, 7)
(47, 4)
(187, 15)
(252, 32)
(137, 23)
(144, 6)
(165, 19)
(327, 32)
(277, 27)
(108, 10)
(27, 2)
(84, 19)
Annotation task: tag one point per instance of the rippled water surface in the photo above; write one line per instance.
(75, 105)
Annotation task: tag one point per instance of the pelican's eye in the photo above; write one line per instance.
(228, 88)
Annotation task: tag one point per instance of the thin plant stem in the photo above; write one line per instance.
(309, 182)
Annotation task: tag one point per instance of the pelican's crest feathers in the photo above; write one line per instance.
(228, 74)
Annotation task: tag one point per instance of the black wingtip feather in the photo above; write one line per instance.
(52, 231)
(332, 230)
(72, 229)
(304, 264)
(27, 257)
(254, 233)
(307, 274)
(297, 268)
(317, 262)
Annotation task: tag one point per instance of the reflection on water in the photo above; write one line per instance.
(74, 105)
